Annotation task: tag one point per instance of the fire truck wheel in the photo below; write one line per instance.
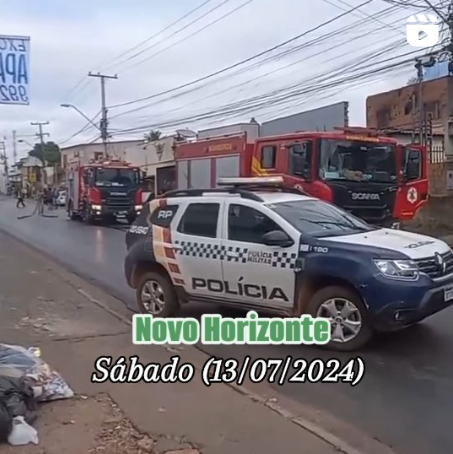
(350, 325)
(156, 296)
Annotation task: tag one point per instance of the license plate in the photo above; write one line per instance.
(448, 294)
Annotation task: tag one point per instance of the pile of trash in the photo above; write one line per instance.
(25, 381)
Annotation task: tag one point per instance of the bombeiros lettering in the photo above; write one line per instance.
(365, 196)
(240, 289)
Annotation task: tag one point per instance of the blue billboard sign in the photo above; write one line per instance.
(14, 69)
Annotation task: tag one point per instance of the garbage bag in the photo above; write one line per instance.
(17, 396)
(6, 423)
(47, 383)
(22, 433)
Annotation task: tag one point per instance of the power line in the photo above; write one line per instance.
(147, 40)
(83, 83)
(252, 104)
(291, 64)
(304, 59)
(210, 24)
(174, 34)
(88, 125)
(240, 63)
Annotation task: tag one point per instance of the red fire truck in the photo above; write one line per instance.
(373, 177)
(104, 190)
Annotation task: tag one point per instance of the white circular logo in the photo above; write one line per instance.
(412, 195)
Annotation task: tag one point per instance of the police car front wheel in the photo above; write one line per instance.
(347, 314)
(156, 296)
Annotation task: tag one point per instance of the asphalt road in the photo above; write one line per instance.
(404, 401)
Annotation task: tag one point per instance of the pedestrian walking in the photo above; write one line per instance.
(55, 198)
(20, 198)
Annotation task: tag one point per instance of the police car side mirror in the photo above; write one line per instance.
(277, 238)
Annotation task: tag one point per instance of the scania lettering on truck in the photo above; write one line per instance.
(104, 190)
(374, 178)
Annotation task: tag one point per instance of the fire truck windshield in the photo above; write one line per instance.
(116, 177)
(357, 161)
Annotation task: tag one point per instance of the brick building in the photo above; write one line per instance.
(396, 113)
(398, 109)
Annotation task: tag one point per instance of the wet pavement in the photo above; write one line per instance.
(404, 400)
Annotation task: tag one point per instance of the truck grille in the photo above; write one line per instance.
(431, 267)
(118, 202)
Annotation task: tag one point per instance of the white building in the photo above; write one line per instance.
(157, 160)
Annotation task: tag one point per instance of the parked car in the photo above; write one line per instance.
(61, 200)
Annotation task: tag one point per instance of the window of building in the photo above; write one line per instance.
(200, 219)
(383, 118)
(248, 225)
(268, 157)
(433, 108)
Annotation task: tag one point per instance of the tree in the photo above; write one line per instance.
(152, 136)
(49, 154)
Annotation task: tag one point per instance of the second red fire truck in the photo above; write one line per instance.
(104, 190)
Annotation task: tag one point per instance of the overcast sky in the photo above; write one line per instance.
(70, 38)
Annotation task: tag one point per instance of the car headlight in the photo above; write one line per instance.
(406, 270)
(96, 207)
(138, 207)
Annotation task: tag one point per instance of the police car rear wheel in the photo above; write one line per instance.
(350, 328)
(156, 296)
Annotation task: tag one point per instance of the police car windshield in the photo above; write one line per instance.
(357, 161)
(319, 219)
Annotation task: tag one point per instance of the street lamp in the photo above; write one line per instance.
(71, 106)
(25, 141)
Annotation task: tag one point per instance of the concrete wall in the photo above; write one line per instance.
(151, 156)
(322, 119)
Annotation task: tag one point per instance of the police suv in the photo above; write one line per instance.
(254, 244)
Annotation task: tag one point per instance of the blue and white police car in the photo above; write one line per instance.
(254, 244)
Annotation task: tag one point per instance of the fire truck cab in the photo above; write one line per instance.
(374, 178)
(104, 190)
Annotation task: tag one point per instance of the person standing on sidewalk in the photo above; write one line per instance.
(20, 198)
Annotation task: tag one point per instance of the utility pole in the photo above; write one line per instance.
(104, 119)
(419, 65)
(14, 147)
(419, 68)
(41, 136)
(4, 159)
